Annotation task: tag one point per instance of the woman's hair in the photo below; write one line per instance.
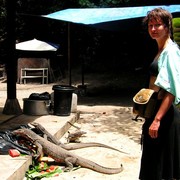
(159, 13)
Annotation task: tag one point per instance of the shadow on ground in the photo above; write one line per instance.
(120, 120)
(119, 97)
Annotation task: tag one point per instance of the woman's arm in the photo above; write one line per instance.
(165, 105)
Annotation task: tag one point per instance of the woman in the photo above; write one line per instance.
(161, 134)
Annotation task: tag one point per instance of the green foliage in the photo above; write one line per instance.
(2, 19)
(86, 3)
(37, 171)
(102, 3)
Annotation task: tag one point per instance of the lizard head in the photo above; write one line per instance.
(26, 133)
(34, 123)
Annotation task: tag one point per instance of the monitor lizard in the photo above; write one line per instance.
(74, 146)
(61, 155)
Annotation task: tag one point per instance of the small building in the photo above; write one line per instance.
(34, 61)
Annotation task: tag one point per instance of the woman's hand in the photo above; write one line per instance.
(153, 129)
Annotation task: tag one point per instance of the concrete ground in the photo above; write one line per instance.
(110, 125)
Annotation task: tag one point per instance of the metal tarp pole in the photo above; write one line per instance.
(69, 53)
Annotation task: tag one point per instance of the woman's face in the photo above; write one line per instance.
(157, 29)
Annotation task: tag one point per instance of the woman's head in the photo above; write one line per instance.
(161, 16)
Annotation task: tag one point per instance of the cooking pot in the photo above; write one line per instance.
(36, 107)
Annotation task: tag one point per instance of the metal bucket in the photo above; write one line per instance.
(36, 107)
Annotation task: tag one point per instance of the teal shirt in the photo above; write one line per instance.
(169, 70)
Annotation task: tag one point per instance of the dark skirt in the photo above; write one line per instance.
(161, 156)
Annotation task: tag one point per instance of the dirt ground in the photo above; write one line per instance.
(106, 118)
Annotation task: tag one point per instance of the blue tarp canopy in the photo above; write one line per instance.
(114, 19)
(91, 16)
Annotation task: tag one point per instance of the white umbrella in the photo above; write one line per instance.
(35, 45)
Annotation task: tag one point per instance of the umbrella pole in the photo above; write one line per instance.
(82, 70)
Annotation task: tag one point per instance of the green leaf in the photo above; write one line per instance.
(36, 172)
